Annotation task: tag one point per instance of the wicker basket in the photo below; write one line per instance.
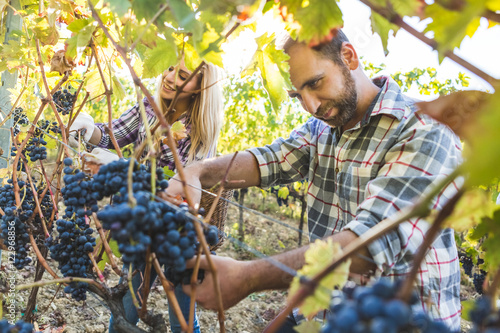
(219, 216)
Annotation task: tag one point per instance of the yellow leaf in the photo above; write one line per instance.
(178, 131)
(470, 209)
(4, 172)
(319, 255)
(280, 243)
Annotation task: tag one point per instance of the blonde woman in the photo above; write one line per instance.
(199, 107)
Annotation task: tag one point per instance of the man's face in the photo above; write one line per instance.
(326, 90)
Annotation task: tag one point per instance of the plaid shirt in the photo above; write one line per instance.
(370, 172)
(129, 128)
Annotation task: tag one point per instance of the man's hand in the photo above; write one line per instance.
(192, 178)
(233, 281)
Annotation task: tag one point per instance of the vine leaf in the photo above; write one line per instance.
(472, 207)
(283, 192)
(450, 27)
(209, 46)
(48, 35)
(383, 28)
(93, 84)
(160, 57)
(489, 227)
(145, 9)
(186, 18)
(273, 67)
(316, 18)
(119, 7)
(308, 326)
(457, 110)
(319, 255)
(82, 29)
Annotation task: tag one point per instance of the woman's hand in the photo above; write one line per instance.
(83, 122)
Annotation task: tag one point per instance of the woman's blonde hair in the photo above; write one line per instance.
(206, 112)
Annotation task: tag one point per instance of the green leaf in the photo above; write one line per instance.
(273, 67)
(186, 18)
(114, 248)
(450, 27)
(145, 9)
(105, 260)
(308, 326)
(482, 153)
(119, 7)
(78, 25)
(209, 47)
(467, 306)
(316, 18)
(158, 59)
(383, 27)
(319, 256)
(280, 243)
(168, 173)
(48, 35)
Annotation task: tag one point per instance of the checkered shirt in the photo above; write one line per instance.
(370, 172)
(129, 128)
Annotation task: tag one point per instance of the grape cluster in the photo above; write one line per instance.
(77, 193)
(484, 317)
(71, 250)
(63, 100)
(13, 225)
(20, 117)
(376, 309)
(467, 263)
(18, 327)
(168, 231)
(479, 281)
(112, 180)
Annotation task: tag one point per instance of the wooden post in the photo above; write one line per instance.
(8, 80)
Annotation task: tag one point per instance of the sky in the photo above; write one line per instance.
(405, 51)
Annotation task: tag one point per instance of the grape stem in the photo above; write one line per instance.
(35, 194)
(105, 244)
(98, 271)
(49, 95)
(65, 280)
(40, 257)
(147, 277)
(419, 209)
(169, 290)
(108, 92)
(194, 284)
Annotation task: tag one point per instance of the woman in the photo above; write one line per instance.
(199, 108)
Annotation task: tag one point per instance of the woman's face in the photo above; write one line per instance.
(170, 84)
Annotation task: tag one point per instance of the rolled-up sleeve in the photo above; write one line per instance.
(285, 160)
(125, 129)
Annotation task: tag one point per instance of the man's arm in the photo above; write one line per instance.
(238, 279)
(244, 172)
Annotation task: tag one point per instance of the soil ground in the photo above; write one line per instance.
(57, 312)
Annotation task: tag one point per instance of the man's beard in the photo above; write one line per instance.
(346, 105)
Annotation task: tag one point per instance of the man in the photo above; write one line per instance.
(367, 155)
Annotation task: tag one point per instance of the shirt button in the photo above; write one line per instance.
(336, 170)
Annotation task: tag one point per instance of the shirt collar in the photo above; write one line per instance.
(389, 100)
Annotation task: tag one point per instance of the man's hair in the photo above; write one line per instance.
(330, 50)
